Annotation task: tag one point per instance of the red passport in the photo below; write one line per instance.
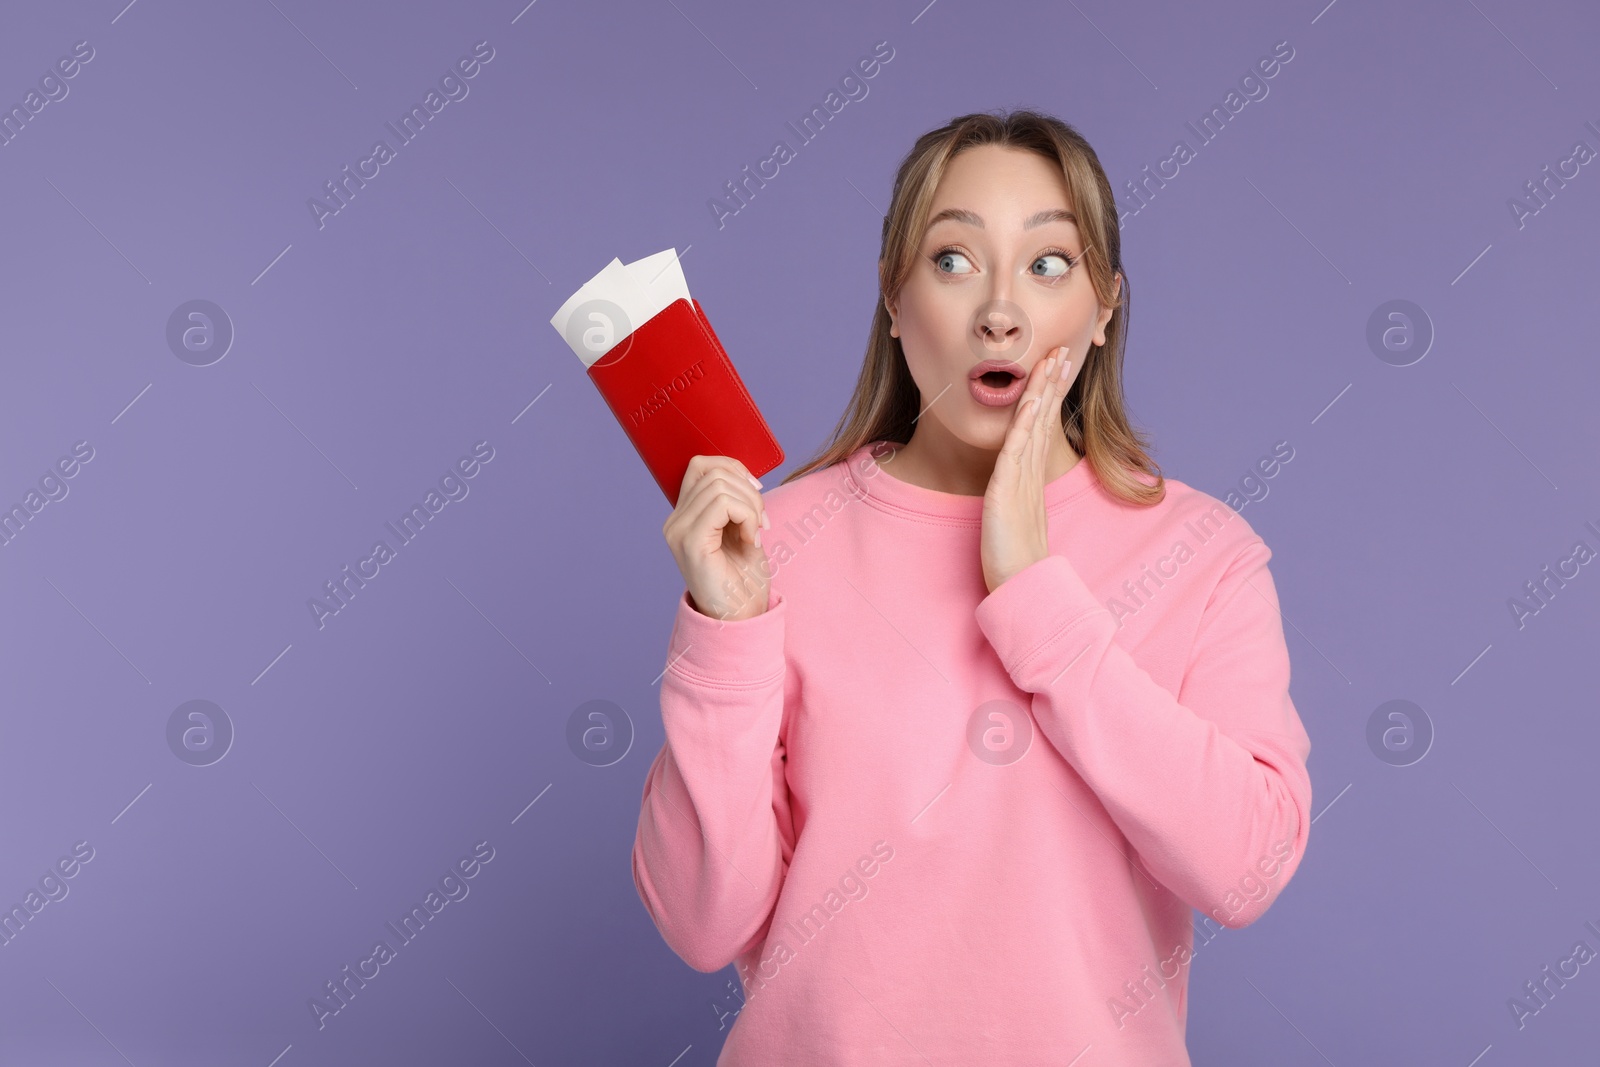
(668, 381)
(677, 396)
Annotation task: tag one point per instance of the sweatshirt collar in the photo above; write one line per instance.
(881, 489)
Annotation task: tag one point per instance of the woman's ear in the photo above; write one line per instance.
(1105, 314)
(889, 305)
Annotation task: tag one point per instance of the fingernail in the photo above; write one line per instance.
(766, 521)
(754, 480)
(758, 538)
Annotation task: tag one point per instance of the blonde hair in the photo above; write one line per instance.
(886, 399)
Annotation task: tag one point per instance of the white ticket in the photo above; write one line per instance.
(617, 301)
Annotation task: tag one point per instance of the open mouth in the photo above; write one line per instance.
(997, 383)
(997, 372)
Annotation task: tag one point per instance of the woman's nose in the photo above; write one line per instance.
(997, 325)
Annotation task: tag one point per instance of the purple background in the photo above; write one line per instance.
(432, 711)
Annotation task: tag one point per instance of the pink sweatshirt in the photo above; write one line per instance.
(937, 825)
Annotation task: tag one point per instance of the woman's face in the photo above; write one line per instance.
(999, 275)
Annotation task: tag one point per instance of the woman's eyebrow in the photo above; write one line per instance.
(972, 218)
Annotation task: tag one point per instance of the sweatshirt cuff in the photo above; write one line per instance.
(730, 652)
(1034, 608)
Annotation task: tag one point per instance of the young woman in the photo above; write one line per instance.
(951, 757)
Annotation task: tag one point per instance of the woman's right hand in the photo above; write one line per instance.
(713, 534)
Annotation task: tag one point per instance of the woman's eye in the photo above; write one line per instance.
(942, 259)
(1065, 265)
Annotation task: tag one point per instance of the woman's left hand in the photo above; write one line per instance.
(1014, 529)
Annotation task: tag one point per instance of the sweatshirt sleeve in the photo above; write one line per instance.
(1209, 786)
(715, 834)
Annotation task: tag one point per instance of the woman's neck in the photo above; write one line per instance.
(947, 464)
